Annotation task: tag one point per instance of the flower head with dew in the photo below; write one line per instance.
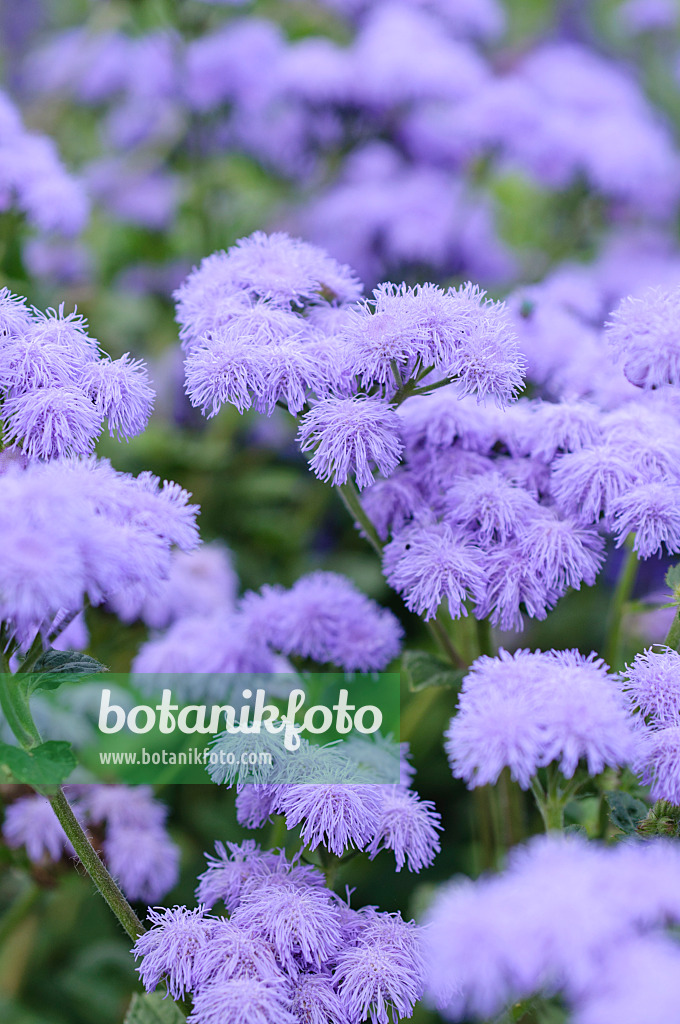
(351, 437)
(429, 562)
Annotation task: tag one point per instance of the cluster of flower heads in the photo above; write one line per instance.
(354, 795)
(135, 843)
(322, 618)
(525, 710)
(289, 950)
(34, 179)
(412, 75)
(113, 533)
(276, 321)
(56, 390)
(566, 917)
(652, 684)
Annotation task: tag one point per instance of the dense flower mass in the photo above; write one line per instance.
(56, 391)
(524, 711)
(555, 921)
(290, 949)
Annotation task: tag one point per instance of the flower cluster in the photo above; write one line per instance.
(568, 917)
(322, 617)
(526, 710)
(56, 391)
(135, 843)
(652, 684)
(290, 949)
(113, 532)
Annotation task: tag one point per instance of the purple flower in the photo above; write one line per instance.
(652, 684)
(14, 315)
(219, 642)
(51, 422)
(643, 334)
(490, 506)
(338, 815)
(31, 822)
(234, 953)
(122, 806)
(652, 512)
(525, 710)
(634, 983)
(324, 617)
(562, 427)
(315, 1001)
(144, 860)
(224, 372)
(561, 552)
(303, 925)
(381, 977)
(408, 826)
(659, 762)
(587, 483)
(170, 947)
(429, 562)
(351, 436)
(122, 393)
(226, 872)
(243, 1001)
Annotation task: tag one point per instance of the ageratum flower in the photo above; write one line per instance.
(643, 333)
(408, 826)
(315, 1001)
(652, 684)
(526, 710)
(351, 436)
(303, 925)
(30, 822)
(237, 863)
(652, 512)
(170, 947)
(243, 1001)
(429, 562)
(338, 815)
(234, 952)
(122, 394)
(143, 859)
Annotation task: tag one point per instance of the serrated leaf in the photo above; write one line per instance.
(673, 578)
(46, 765)
(153, 1008)
(625, 811)
(423, 670)
(56, 667)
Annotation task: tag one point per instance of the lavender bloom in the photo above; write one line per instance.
(659, 763)
(315, 1001)
(528, 709)
(586, 484)
(324, 617)
(144, 860)
(255, 805)
(430, 561)
(652, 511)
(303, 925)
(549, 923)
(170, 948)
(224, 877)
(490, 506)
(652, 684)
(219, 642)
(643, 334)
(634, 983)
(51, 422)
(243, 1001)
(234, 953)
(14, 314)
(122, 806)
(340, 815)
(122, 393)
(31, 822)
(381, 977)
(561, 552)
(350, 436)
(408, 826)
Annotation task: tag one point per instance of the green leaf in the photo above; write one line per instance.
(423, 670)
(576, 830)
(625, 811)
(673, 578)
(153, 1008)
(56, 667)
(45, 765)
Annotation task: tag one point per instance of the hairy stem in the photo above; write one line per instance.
(14, 704)
(622, 594)
(440, 634)
(94, 866)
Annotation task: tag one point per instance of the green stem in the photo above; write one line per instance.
(622, 594)
(673, 638)
(94, 866)
(34, 652)
(330, 864)
(14, 704)
(484, 641)
(552, 801)
(21, 907)
(350, 498)
(443, 639)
